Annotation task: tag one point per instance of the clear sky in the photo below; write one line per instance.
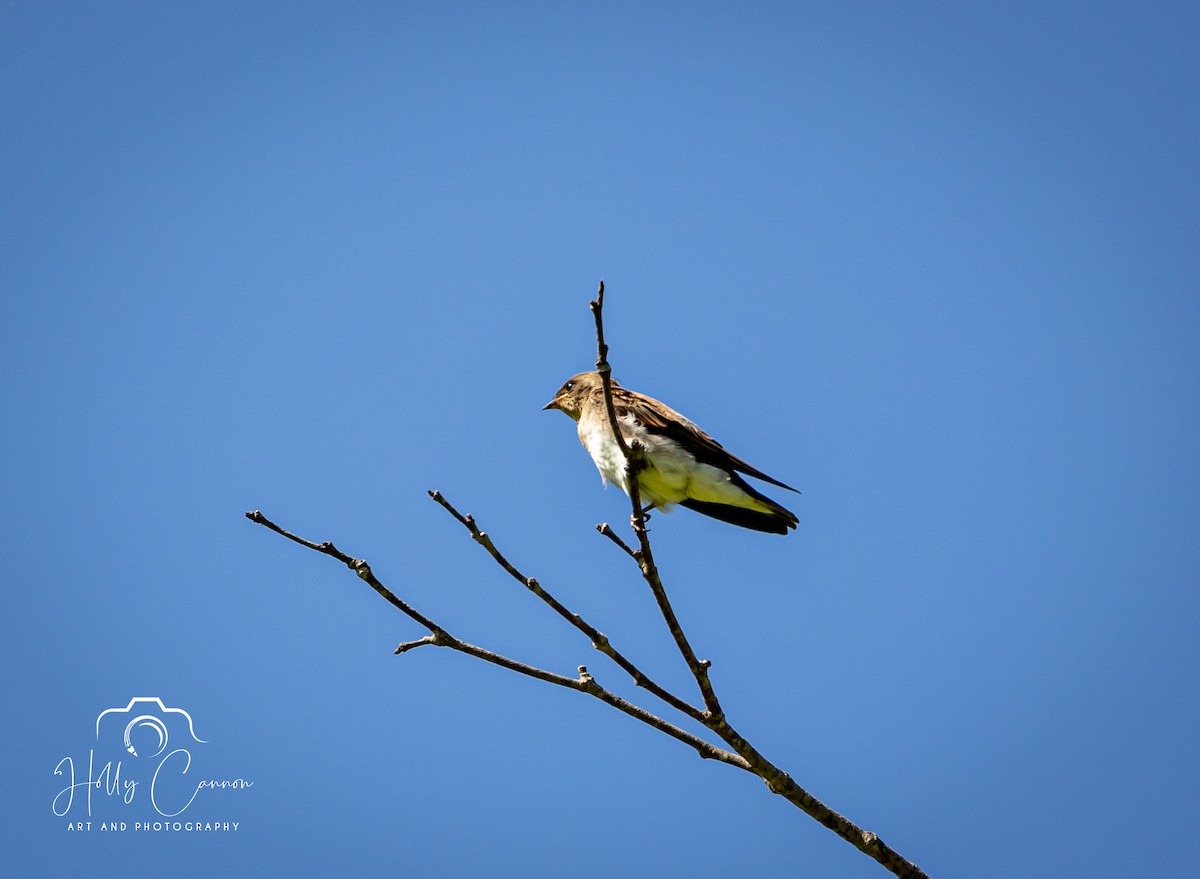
(935, 264)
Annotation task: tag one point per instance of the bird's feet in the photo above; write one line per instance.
(641, 519)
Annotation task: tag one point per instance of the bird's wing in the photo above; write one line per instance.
(659, 418)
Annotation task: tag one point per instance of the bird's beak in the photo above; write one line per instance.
(553, 404)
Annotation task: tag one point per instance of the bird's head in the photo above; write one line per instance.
(574, 393)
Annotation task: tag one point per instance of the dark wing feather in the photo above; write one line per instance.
(777, 521)
(771, 523)
(662, 419)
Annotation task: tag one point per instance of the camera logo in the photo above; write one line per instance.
(148, 723)
(144, 763)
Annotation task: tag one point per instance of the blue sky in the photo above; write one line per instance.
(933, 264)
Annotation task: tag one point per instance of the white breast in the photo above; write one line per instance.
(598, 439)
(663, 483)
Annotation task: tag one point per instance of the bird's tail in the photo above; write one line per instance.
(776, 520)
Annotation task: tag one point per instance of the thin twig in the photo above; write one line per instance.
(635, 462)
(441, 638)
(405, 646)
(599, 640)
(359, 566)
(607, 531)
(634, 454)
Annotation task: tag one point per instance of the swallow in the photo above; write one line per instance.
(684, 465)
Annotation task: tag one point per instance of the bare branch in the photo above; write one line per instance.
(703, 748)
(405, 646)
(635, 458)
(441, 638)
(607, 531)
(599, 639)
(359, 566)
(635, 462)
(602, 367)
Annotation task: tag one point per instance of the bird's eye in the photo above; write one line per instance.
(568, 386)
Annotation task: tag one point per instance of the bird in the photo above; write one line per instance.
(684, 465)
